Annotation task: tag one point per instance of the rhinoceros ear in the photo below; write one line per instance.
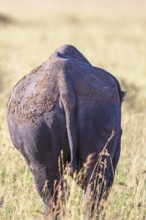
(123, 96)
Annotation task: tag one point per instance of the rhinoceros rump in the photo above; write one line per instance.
(67, 105)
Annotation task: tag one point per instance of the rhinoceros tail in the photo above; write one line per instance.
(68, 102)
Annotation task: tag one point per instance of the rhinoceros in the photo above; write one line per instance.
(66, 105)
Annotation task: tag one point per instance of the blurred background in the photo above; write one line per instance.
(111, 35)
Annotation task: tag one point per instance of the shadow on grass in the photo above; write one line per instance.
(5, 19)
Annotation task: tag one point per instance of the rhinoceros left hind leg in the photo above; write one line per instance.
(44, 167)
(46, 180)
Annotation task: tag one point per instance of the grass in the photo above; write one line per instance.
(111, 36)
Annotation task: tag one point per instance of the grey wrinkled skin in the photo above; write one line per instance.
(65, 104)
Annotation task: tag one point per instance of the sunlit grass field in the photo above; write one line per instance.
(112, 35)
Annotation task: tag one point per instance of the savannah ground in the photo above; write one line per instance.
(112, 35)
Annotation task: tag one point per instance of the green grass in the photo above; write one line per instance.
(112, 35)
